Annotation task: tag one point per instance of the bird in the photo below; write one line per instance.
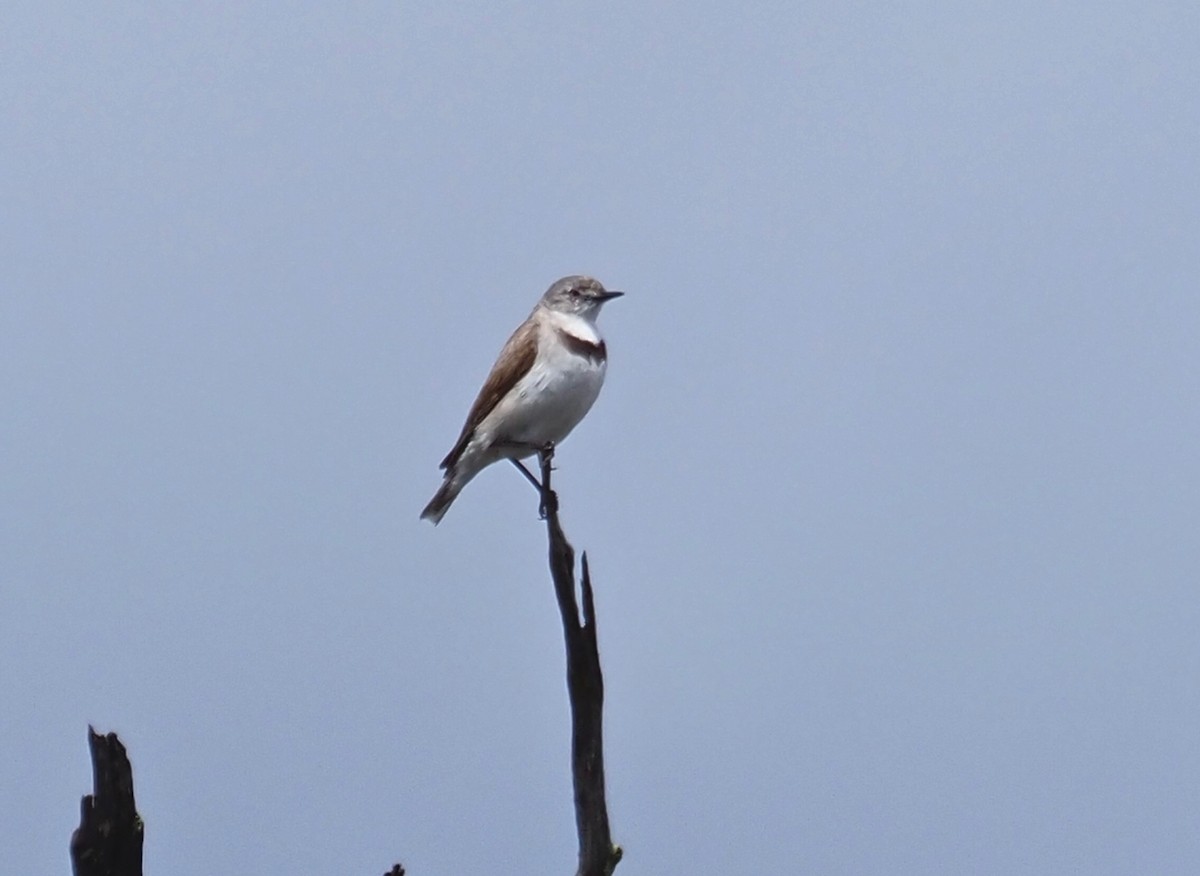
(546, 378)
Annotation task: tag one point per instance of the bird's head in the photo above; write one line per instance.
(578, 296)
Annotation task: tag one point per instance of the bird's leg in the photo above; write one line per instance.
(537, 485)
(528, 448)
(545, 453)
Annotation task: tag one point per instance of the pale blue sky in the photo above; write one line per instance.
(891, 496)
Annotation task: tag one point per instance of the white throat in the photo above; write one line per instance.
(573, 324)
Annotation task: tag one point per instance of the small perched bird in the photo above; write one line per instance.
(546, 378)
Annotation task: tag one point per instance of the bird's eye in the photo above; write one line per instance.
(573, 292)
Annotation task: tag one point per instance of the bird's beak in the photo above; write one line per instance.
(610, 295)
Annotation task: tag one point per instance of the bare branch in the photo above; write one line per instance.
(585, 687)
(108, 841)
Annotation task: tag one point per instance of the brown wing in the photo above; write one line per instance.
(514, 362)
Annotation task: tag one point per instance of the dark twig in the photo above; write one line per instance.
(585, 686)
(108, 841)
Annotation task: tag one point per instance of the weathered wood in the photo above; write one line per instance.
(585, 688)
(108, 841)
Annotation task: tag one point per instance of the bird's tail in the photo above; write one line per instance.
(441, 501)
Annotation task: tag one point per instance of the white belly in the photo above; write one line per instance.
(550, 400)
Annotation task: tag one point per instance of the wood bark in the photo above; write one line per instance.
(108, 841)
(585, 689)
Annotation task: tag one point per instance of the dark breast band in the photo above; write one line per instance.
(595, 353)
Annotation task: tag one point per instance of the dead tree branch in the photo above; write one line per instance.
(108, 841)
(585, 687)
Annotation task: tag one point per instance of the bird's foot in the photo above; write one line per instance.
(548, 503)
